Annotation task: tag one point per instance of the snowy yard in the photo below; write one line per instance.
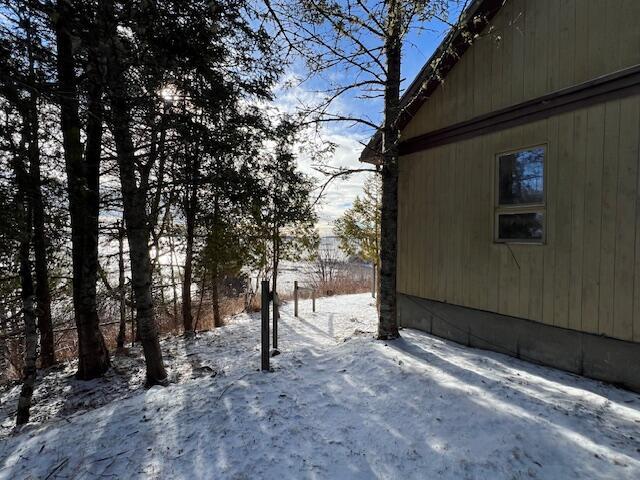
(338, 405)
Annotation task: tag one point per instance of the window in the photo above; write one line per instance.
(520, 207)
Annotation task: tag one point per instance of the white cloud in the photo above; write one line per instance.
(339, 195)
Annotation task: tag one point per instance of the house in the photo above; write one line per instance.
(519, 195)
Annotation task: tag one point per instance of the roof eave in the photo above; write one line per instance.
(475, 17)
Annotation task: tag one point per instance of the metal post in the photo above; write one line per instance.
(313, 301)
(265, 325)
(373, 281)
(295, 298)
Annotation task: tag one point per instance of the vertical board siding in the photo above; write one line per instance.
(625, 221)
(629, 33)
(531, 48)
(609, 208)
(592, 218)
(630, 150)
(403, 180)
(488, 186)
(565, 60)
(587, 274)
(561, 215)
(552, 193)
(577, 158)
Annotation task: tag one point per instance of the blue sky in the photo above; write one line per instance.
(417, 48)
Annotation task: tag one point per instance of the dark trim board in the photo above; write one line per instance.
(593, 356)
(609, 87)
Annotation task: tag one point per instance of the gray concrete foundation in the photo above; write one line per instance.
(594, 356)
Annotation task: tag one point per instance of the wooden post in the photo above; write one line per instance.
(133, 320)
(265, 325)
(122, 293)
(373, 281)
(295, 298)
(276, 315)
(313, 301)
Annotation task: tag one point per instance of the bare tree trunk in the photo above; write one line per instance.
(138, 238)
(154, 210)
(83, 180)
(187, 316)
(388, 323)
(30, 332)
(376, 266)
(122, 332)
(204, 276)
(27, 292)
(376, 263)
(190, 209)
(215, 299)
(134, 203)
(173, 279)
(42, 291)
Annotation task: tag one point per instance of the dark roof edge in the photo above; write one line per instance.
(475, 18)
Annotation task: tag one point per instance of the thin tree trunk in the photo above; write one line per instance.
(215, 299)
(83, 179)
(376, 264)
(154, 210)
(138, 237)
(190, 209)
(134, 203)
(187, 315)
(122, 332)
(173, 279)
(42, 291)
(27, 293)
(377, 286)
(30, 332)
(204, 276)
(388, 322)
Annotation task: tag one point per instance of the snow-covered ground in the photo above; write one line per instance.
(338, 404)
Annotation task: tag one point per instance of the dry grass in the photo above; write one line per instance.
(67, 341)
(343, 286)
(339, 286)
(66, 338)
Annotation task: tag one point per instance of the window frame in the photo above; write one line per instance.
(539, 207)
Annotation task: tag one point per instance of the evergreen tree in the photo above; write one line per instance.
(82, 159)
(359, 227)
(189, 49)
(26, 72)
(284, 214)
